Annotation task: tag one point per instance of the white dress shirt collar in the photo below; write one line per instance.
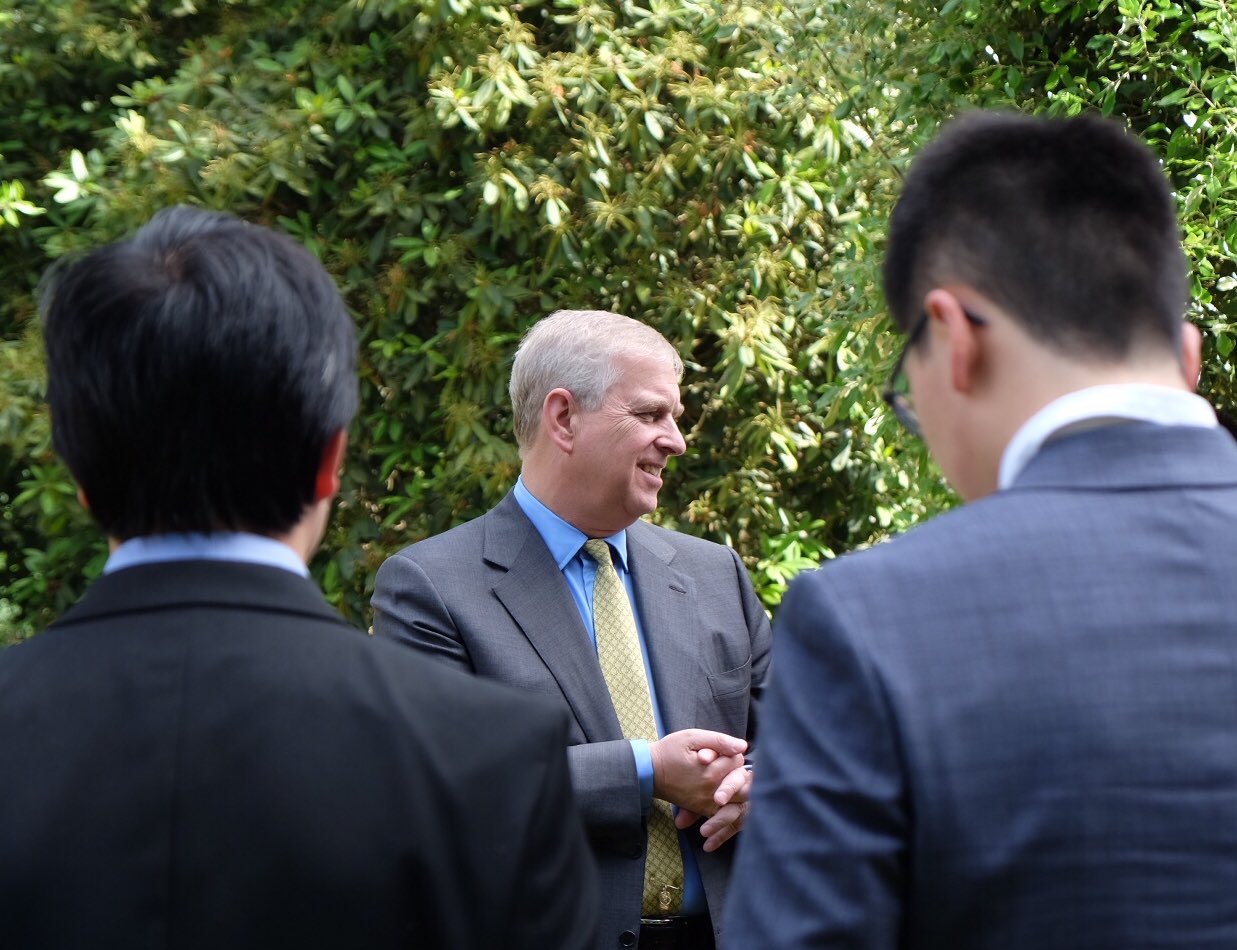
(1097, 406)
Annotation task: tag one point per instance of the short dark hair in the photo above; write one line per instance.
(196, 373)
(1066, 224)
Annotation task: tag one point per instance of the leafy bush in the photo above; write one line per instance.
(463, 168)
(720, 169)
(1166, 69)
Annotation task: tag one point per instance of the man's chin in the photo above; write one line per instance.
(645, 505)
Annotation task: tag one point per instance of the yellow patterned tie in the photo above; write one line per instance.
(622, 664)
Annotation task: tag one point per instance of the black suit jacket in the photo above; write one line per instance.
(202, 754)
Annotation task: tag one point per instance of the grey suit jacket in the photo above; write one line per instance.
(487, 597)
(1015, 726)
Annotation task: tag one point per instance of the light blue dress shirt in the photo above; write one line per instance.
(216, 546)
(566, 543)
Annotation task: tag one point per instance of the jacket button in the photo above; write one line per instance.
(627, 939)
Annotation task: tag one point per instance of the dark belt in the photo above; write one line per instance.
(676, 933)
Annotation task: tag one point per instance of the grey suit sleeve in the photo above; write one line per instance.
(408, 609)
(821, 861)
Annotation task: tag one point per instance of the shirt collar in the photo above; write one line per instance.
(216, 546)
(1101, 405)
(564, 540)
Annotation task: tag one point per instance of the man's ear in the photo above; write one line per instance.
(1191, 354)
(81, 496)
(558, 417)
(327, 482)
(960, 336)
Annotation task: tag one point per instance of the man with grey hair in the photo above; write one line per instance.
(653, 641)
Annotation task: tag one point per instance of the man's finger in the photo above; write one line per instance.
(685, 818)
(718, 741)
(735, 787)
(724, 825)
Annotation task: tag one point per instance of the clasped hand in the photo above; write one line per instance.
(702, 772)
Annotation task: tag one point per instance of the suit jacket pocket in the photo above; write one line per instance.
(738, 680)
(730, 698)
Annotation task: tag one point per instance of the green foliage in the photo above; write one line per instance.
(465, 167)
(61, 62)
(720, 169)
(1165, 68)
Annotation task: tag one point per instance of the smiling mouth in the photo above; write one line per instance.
(651, 469)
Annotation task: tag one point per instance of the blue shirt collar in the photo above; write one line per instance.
(216, 546)
(564, 540)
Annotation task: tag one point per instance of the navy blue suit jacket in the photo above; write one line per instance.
(1015, 726)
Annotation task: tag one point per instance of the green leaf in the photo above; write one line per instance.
(1175, 97)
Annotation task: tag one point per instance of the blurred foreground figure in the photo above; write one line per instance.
(1014, 726)
(201, 753)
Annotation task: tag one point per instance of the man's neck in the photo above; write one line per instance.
(234, 546)
(303, 537)
(1026, 377)
(544, 487)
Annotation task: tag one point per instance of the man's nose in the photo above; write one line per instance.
(671, 440)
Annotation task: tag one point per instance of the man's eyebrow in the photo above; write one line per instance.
(658, 405)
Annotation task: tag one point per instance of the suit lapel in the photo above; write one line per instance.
(666, 600)
(536, 596)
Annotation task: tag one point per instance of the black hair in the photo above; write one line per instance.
(196, 372)
(1067, 224)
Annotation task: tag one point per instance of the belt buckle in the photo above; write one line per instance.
(667, 923)
(676, 932)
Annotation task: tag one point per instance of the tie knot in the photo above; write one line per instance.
(599, 550)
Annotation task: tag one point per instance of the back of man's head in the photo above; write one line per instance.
(196, 373)
(1067, 224)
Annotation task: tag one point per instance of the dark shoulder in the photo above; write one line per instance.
(967, 553)
(430, 690)
(337, 663)
(929, 545)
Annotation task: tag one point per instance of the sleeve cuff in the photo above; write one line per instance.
(644, 771)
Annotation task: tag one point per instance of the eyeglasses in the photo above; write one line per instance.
(897, 391)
